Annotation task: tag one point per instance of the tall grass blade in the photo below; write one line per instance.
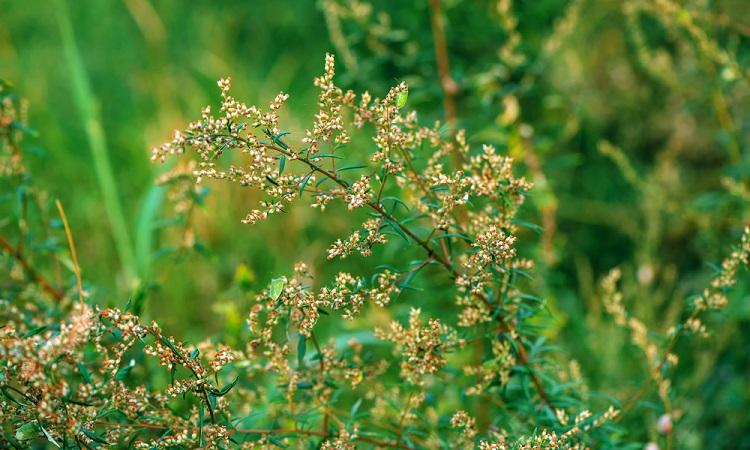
(89, 112)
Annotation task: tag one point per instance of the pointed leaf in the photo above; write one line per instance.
(277, 288)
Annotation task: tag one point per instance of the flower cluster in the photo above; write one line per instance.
(422, 348)
(359, 241)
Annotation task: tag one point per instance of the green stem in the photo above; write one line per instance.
(89, 115)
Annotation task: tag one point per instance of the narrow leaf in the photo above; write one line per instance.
(225, 390)
(35, 331)
(397, 229)
(303, 185)
(94, 436)
(351, 167)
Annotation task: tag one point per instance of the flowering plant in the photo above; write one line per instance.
(481, 375)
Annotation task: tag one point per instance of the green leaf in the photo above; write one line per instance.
(12, 441)
(355, 408)
(401, 98)
(146, 224)
(325, 155)
(351, 167)
(7, 395)
(224, 391)
(277, 288)
(124, 371)
(405, 284)
(94, 436)
(282, 163)
(531, 226)
(49, 437)
(135, 302)
(84, 372)
(397, 229)
(324, 179)
(396, 201)
(35, 331)
(26, 432)
(277, 442)
(303, 185)
(277, 140)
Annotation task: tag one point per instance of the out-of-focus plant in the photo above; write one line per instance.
(481, 374)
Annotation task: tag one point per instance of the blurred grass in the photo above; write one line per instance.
(150, 67)
(90, 117)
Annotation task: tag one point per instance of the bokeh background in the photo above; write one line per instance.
(630, 116)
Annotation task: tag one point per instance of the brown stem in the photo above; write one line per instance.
(382, 186)
(30, 271)
(22, 223)
(548, 208)
(524, 360)
(448, 84)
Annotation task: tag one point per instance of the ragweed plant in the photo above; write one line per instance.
(76, 375)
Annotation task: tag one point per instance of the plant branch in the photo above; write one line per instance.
(372, 205)
(30, 271)
(431, 253)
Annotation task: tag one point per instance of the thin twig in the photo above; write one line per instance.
(72, 247)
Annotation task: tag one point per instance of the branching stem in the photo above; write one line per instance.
(30, 271)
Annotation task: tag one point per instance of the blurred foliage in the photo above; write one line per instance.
(630, 117)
